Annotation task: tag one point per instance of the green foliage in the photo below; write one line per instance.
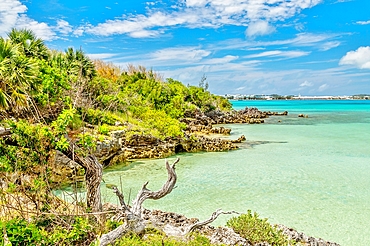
(257, 230)
(160, 124)
(87, 141)
(64, 120)
(53, 84)
(103, 129)
(156, 238)
(34, 146)
(80, 231)
(21, 232)
(97, 117)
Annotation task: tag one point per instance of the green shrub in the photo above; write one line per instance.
(20, 232)
(103, 129)
(156, 238)
(44, 232)
(257, 230)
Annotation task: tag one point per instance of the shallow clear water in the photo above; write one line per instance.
(312, 174)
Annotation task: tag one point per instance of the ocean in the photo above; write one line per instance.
(311, 174)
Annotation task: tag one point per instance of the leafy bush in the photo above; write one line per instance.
(156, 238)
(103, 129)
(21, 232)
(257, 230)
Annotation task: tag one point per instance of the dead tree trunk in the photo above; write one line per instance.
(93, 176)
(134, 221)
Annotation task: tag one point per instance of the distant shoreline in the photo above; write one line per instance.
(275, 98)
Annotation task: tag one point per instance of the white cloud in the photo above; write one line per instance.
(363, 22)
(329, 45)
(9, 14)
(41, 29)
(259, 28)
(101, 56)
(318, 41)
(360, 58)
(63, 27)
(12, 15)
(274, 53)
(255, 14)
(306, 84)
(222, 60)
(186, 54)
(323, 87)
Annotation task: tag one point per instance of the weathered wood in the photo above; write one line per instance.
(134, 221)
(213, 217)
(93, 175)
(145, 193)
(121, 198)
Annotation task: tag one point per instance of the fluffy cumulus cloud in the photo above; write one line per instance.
(258, 15)
(13, 15)
(360, 58)
(10, 11)
(63, 27)
(259, 28)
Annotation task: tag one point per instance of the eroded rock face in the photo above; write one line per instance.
(140, 147)
(119, 148)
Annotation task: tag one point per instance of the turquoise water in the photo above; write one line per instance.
(312, 174)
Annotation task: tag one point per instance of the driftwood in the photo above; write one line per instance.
(133, 217)
(213, 217)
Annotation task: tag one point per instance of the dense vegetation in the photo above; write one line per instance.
(49, 98)
(46, 94)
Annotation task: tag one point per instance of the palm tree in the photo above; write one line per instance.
(30, 45)
(81, 70)
(17, 72)
(79, 64)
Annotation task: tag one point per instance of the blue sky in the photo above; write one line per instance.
(307, 47)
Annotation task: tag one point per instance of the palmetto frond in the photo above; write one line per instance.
(18, 98)
(29, 44)
(3, 99)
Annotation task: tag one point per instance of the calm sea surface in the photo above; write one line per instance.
(312, 174)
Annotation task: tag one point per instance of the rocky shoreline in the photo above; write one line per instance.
(172, 224)
(119, 148)
(199, 127)
(169, 222)
(198, 136)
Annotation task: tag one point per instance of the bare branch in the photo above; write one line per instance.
(120, 197)
(134, 221)
(213, 217)
(145, 193)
